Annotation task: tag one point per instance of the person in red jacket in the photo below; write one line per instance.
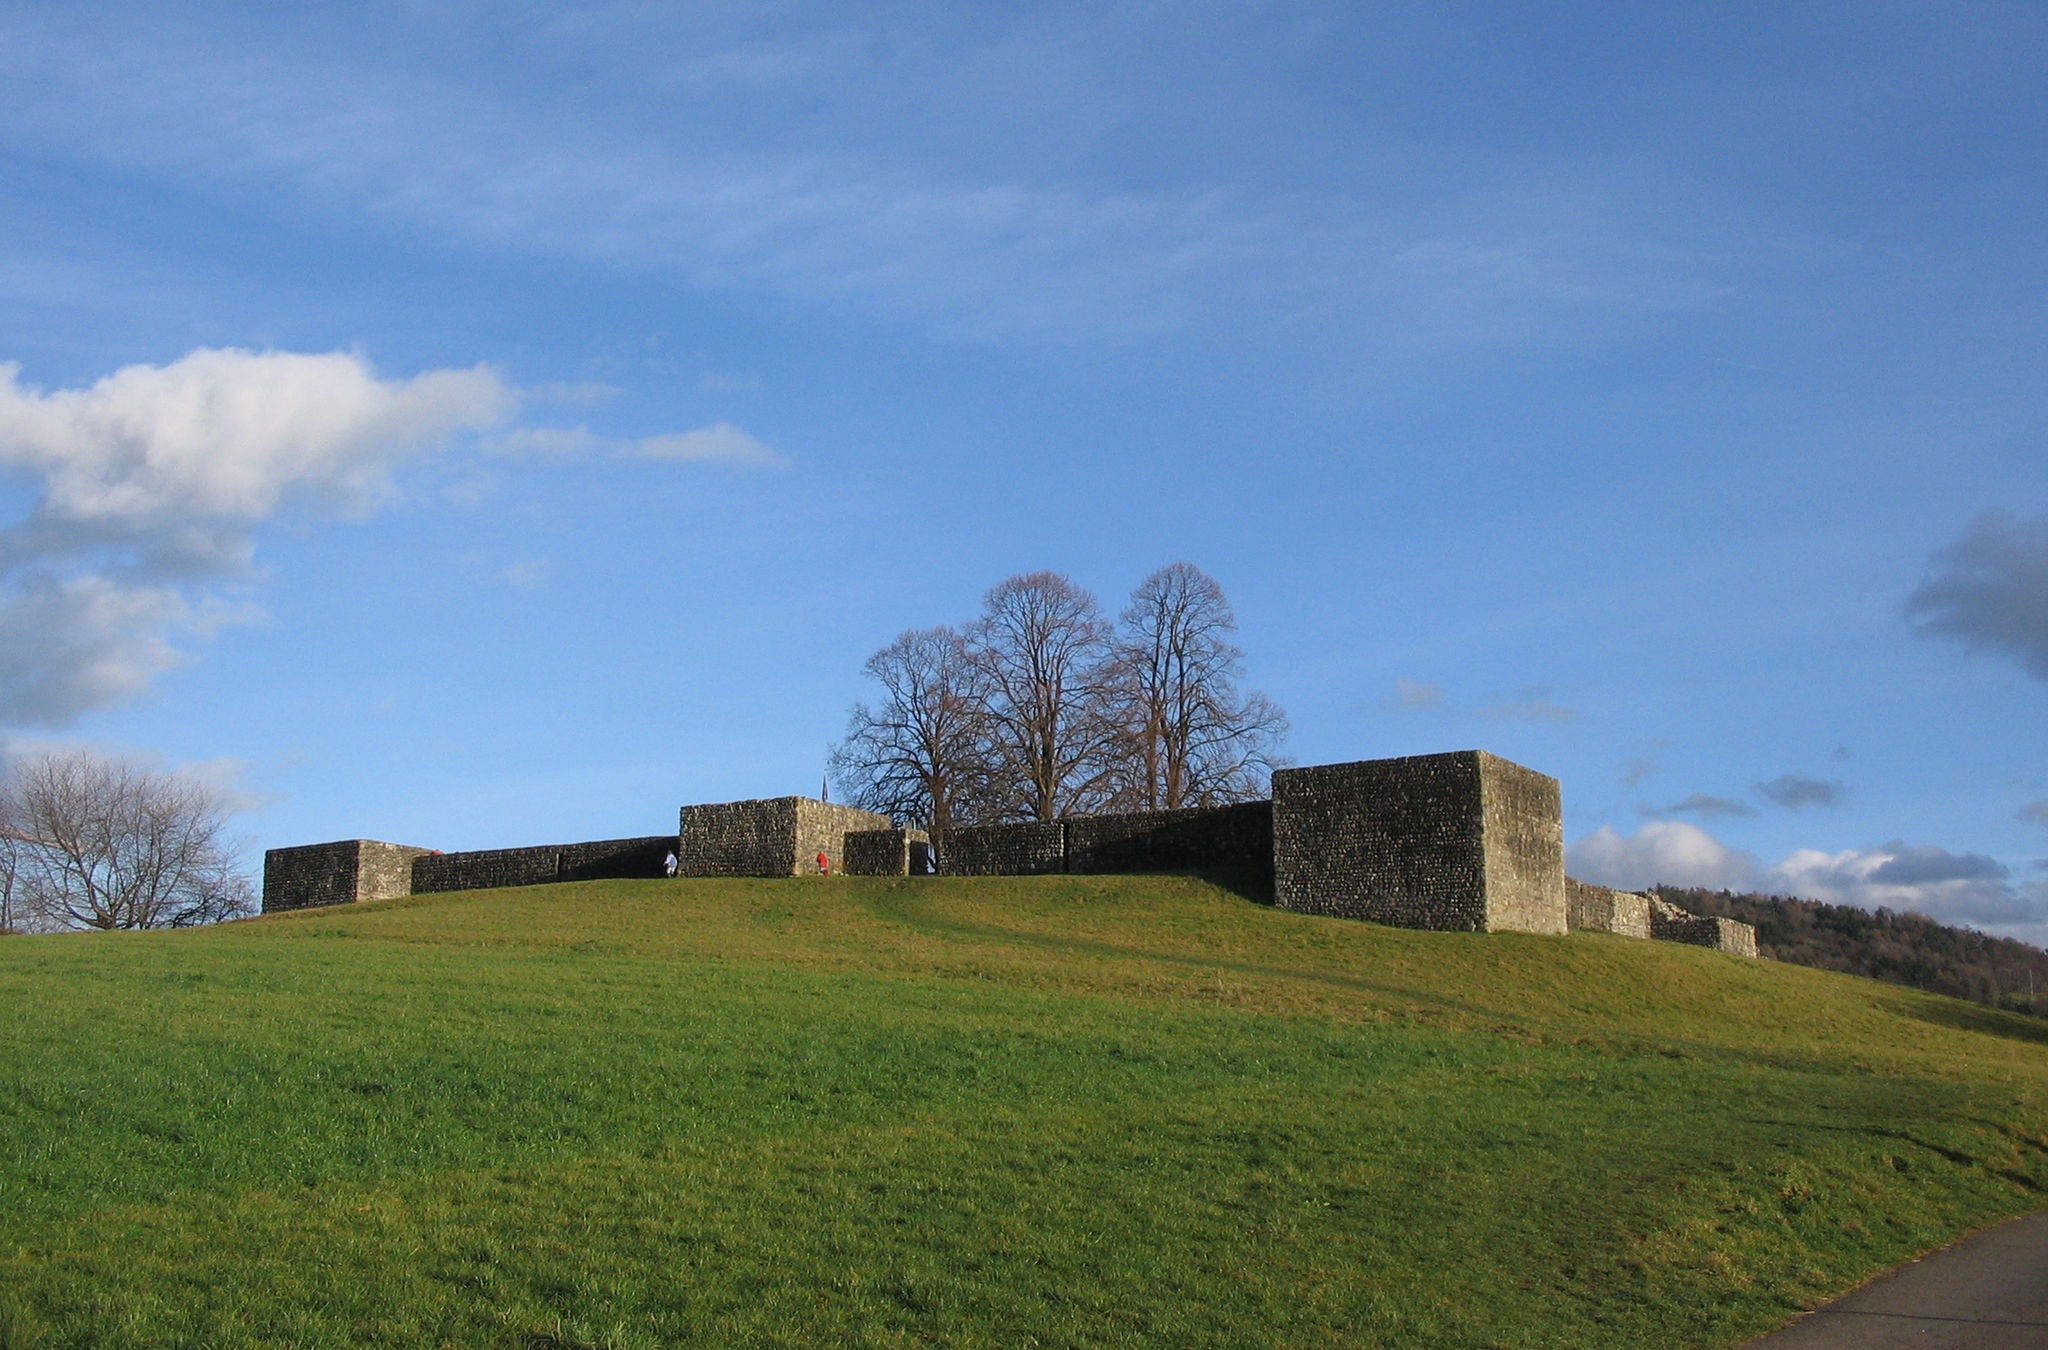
(824, 864)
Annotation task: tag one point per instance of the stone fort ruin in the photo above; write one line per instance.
(1461, 841)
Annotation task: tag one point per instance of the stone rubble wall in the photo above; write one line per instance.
(487, 869)
(616, 859)
(822, 827)
(739, 839)
(1601, 910)
(1026, 848)
(1465, 840)
(1669, 923)
(1408, 842)
(1238, 838)
(885, 853)
(1522, 825)
(339, 873)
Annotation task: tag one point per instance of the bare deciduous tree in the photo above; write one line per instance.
(1043, 648)
(105, 843)
(915, 756)
(10, 920)
(1190, 738)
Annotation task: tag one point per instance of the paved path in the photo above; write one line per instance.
(1987, 1292)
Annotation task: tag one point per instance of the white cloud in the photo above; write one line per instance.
(150, 483)
(224, 434)
(1668, 851)
(1964, 888)
(721, 442)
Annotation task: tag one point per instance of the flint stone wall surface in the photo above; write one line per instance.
(1601, 910)
(822, 827)
(339, 873)
(1465, 840)
(885, 853)
(767, 837)
(1669, 923)
(739, 839)
(1026, 848)
(1237, 837)
(486, 869)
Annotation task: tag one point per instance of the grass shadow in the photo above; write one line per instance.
(1957, 1015)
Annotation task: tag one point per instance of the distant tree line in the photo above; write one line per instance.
(1043, 707)
(92, 841)
(1908, 949)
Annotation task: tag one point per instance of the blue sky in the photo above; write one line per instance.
(479, 425)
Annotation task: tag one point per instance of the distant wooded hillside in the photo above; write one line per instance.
(1909, 949)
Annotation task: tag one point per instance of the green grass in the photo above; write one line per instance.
(1056, 1111)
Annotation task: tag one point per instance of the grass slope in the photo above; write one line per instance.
(1056, 1111)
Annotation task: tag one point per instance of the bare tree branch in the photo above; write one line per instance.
(99, 842)
(1044, 649)
(1190, 738)
(916, 755)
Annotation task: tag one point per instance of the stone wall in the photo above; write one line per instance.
(768, 837)
(1026, 848)
(822, 827)
(485, 869)
(896, 852)
(610, 859)
(1523, 827)
(1238, 838)
(1465, 840)
(339, 873)
(1669, 923)
(1600, 910)
(739, 839)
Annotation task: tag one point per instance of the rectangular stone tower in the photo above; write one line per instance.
(339, 873)
(1465, 840)
(768, 837)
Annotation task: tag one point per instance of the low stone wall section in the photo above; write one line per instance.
(1669, 923)
(895, 852)
(339, 873)
(1026, 848)
(1599, 909)
(1238, 838)
(616, 859)
(487, 869)
(1459, 841)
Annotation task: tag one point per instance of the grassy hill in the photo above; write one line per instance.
(1060, 1110)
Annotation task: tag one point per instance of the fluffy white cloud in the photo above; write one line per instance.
(224, 434)
(150, 482)
(1965, 888)
(1668, 851)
